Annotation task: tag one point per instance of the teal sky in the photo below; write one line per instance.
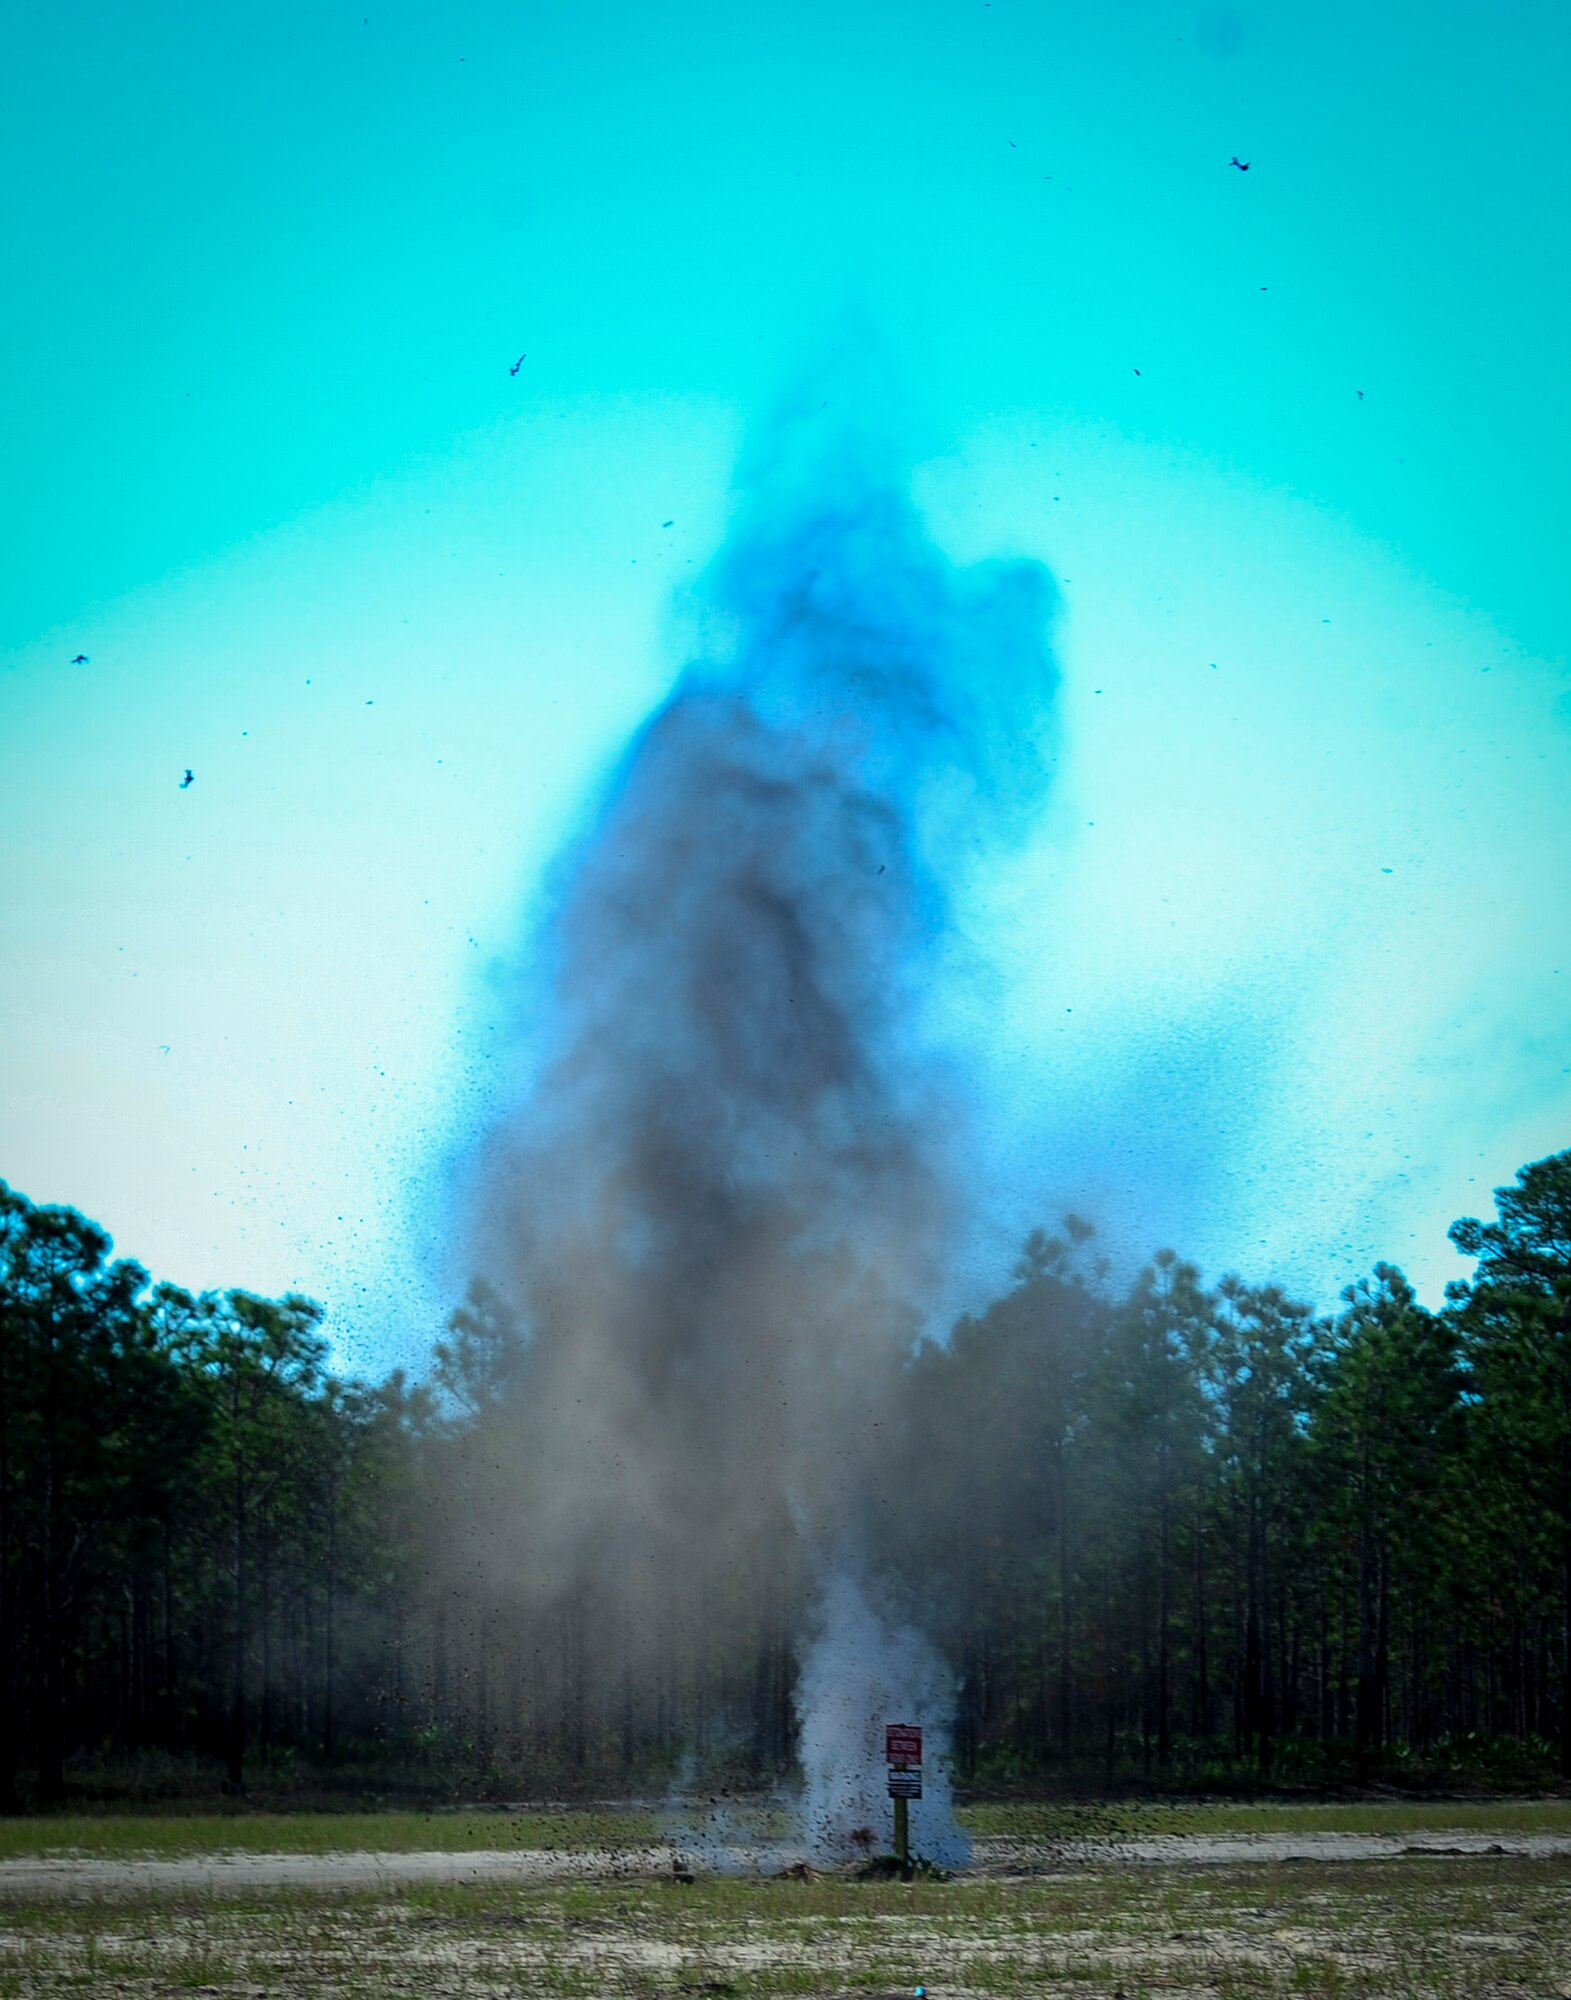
(1284, 977)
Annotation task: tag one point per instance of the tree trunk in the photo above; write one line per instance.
(10, 1690)
(1368, 1591)
(1065, 1680)
(1164, 1723)
(330, 1634)
(49, 1720)
(235, 1758)
(1202, 1708)
(264, 1705)
(1565, 1652)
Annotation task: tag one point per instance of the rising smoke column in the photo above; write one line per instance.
(725, 1200)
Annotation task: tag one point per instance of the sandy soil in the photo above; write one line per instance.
(44, 1877)
(1027, 1922)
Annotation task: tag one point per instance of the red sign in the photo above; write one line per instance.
(902, 1743)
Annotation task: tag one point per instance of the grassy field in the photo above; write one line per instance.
(1020, 1820)
(170, 1836)
(1492, 1929)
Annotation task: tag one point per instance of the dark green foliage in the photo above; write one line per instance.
(1186, 1534)
(1514, 1322)
(186, 1514)
(1203, 1536)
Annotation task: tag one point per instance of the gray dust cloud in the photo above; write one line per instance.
(720, 1209)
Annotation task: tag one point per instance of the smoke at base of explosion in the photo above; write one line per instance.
(860, 1672)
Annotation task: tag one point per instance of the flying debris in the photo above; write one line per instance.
(725, 1197)
(188, 780)
(1242, 165)
(81, 660)
(518, 364)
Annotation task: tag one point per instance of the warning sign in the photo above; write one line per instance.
(904, 1784)
(902, 1743)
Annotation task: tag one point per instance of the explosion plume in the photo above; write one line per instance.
(724, 1202)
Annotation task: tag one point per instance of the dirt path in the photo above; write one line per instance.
(994, 1857)
(54, 1876)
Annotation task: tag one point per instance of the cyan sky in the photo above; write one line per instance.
(266, 272)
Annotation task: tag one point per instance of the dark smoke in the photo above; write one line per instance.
(725, 1200)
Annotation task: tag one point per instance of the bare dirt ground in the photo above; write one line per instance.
(1430, 1916)
(1445, 1929)
(47, 1877)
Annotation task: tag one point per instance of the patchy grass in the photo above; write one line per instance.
(1015, 1819)
(171, 1836)
(135, 1836)
(1495, 1929)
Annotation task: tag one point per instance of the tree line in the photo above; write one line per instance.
(1163, 1530)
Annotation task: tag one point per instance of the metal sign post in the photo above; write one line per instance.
(903, 1753)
